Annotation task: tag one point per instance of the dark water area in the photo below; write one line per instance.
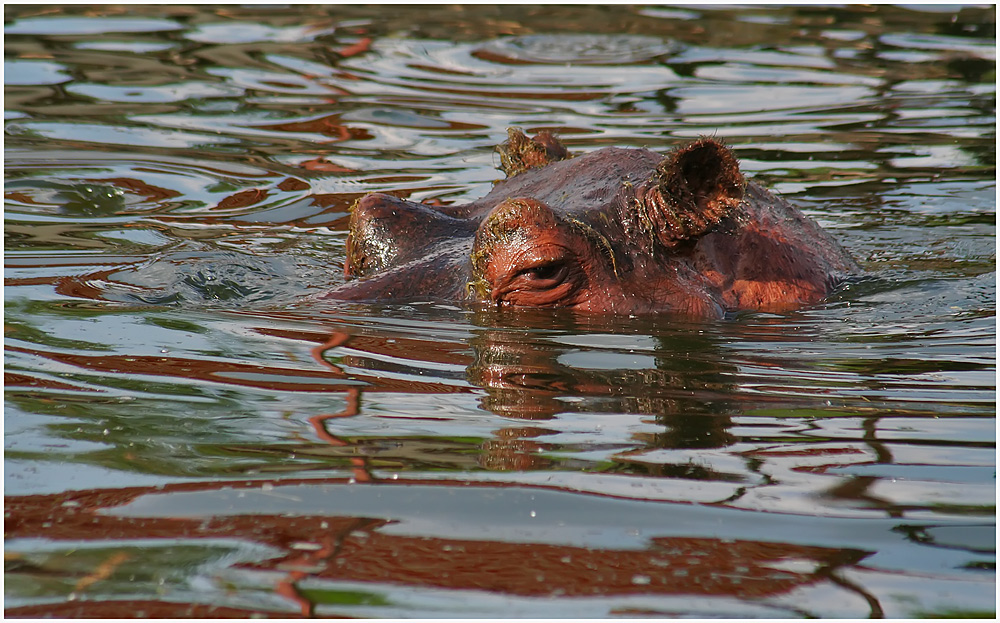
(191, 430)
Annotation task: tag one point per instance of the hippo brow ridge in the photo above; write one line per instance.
(598, 238)
(500, 229)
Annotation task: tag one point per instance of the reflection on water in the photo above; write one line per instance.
(191, 432)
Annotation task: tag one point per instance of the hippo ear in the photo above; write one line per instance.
(520, 153)
(693, 189)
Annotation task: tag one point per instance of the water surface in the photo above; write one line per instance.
(191, 430)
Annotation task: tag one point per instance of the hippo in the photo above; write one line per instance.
(612, 231)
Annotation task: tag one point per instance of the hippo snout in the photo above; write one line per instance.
(386, 232)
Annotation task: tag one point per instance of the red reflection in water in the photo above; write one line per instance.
(329, 125)
(242, 199)
(344, 548)
(355, 549)
(262, 376)
(148, 191)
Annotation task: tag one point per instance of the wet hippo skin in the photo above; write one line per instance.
(621, 231)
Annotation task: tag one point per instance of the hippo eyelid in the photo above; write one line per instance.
(546, 277)
(518, 291)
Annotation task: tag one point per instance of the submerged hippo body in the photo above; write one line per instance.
(612, 231)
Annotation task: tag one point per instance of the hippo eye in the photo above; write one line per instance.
(553, 271)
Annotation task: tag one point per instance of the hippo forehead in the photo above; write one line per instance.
(584, 183)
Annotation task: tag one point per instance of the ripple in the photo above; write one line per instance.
(243, 32)
(57, 26)
(25, 72)
(117, 135)
(177, 92)
(585, 49)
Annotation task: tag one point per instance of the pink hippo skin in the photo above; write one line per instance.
(619, 231)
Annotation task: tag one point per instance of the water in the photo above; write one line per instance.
(189, 430)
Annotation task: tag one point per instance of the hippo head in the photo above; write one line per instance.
(613, 231)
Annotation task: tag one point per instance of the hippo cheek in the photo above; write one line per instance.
(525, 255)
(684, 293)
